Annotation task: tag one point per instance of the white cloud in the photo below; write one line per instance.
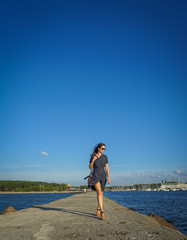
(44, 154)
(33, 165)
(178, 171)
(131, 177)
(141, 174)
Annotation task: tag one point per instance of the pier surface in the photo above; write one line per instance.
(74, 218)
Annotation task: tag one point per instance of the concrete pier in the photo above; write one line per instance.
(74, 218)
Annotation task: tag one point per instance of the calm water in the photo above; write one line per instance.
(26, 200)
(168, 205)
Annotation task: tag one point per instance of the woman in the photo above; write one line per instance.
(98, 162)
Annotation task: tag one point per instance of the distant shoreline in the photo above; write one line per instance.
(40, 192)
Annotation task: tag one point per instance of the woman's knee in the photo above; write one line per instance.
(100, 193)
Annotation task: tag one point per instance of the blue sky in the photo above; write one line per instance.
(76, 73)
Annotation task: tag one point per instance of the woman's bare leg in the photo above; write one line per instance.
(99, 196)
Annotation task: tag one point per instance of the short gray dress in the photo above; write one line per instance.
(99, 174)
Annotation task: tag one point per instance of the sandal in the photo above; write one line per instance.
(102, 216)
(98, 212)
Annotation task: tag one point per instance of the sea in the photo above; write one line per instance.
(171, 206)
(21, 201)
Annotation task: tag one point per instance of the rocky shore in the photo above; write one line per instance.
(74, 218)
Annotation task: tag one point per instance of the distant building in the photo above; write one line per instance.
(163, 181)
(69, 186)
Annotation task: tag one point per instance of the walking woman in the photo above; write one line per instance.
(99, 163)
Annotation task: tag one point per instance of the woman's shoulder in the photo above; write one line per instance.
(93, 154)
(105, 158)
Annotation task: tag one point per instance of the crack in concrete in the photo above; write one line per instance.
(42, 234)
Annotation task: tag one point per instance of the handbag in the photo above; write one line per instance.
(89, 177)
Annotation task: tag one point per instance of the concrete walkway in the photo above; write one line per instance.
(74, 218)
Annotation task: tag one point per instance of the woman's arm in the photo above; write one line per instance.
(107, 171)
(92, 162)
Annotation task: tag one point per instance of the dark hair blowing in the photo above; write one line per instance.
(99, 145)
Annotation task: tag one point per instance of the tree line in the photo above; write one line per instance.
(28, 186)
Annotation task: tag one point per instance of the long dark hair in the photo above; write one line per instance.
(95, 150)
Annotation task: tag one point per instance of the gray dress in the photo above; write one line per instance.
(99, 174)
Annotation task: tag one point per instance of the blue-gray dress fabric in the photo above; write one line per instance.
(99, 174)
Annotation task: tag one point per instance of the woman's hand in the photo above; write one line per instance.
(109, 180)
(95, 157)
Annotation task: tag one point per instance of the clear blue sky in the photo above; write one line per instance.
(76, 73)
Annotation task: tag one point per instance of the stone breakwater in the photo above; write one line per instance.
(74, 218)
